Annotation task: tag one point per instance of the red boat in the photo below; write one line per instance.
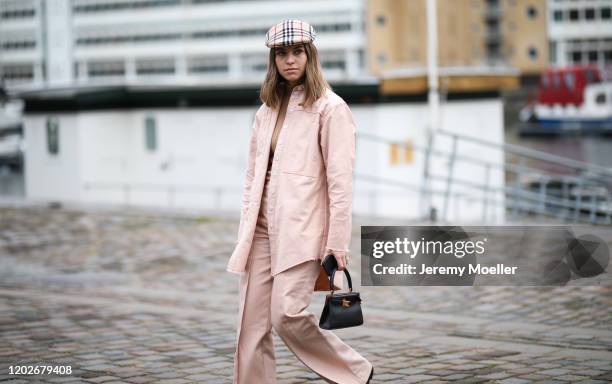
(571, 98)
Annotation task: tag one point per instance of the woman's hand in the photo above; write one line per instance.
(341, 259)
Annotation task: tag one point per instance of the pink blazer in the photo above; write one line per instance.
(311, 182)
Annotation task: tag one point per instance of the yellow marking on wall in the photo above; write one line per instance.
(401, 153)
(394, 157)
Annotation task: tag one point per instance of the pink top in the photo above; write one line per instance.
(310, 183)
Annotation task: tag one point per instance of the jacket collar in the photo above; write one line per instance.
(299, 87)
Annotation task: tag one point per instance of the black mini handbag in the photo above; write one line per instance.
(341, 310)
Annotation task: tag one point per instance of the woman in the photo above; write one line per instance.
(296, 209)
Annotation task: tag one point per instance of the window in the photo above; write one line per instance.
(557, 80)
(52, 135)
(106, 68)
(84, 7)
(590, 77)
(606, 13)
(569, 80)
(576, 57)
(150, 133)
(558, 15)
(17, 13)
(533, 53)
(600, 98)
(254, 63)
(589, 13)
(573, 14)
(18, 44)
(211, 64)
(592, 55)
(333, 60)
(532, 12)
(155, 66)
(553, 51)
(545, 81)
(17, 72)
(381, 20)
(336, 27)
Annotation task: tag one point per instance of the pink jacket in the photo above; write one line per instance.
(311, 182)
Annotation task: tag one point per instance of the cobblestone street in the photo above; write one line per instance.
(137, 297)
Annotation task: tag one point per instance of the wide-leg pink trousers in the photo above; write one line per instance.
(280, 302)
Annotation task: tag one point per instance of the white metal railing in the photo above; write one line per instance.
(585, 194)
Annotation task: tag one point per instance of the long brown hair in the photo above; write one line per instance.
(274, 85)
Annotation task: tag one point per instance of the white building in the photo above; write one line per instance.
(105, 147)
(63, 42)
(580, 32)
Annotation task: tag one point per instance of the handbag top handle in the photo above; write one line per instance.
(348, 277)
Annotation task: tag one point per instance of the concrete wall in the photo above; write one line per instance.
(200, 159)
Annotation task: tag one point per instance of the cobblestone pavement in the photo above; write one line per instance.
(136, 298)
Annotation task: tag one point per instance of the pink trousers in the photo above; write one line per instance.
(280, 302)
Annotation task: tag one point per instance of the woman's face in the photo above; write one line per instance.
(291, 62)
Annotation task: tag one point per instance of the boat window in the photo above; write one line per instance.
(589, 76)
(545, 81)
(569, 80)
(600, 98)
(556, 81)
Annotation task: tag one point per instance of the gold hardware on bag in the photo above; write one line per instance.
(346, 303)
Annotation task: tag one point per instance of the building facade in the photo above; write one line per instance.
(201, 42)
(489, 34)
(580, 32)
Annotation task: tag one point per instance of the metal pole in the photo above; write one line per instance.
(542, 195)
(516, 207)
(564, 211)
(426, 206)
(432, 63)
(578, 198)
(608, 209)
(433, 97)
(449, 179)
(592, 215)
(485, 196)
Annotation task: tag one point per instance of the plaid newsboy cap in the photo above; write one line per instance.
(290, 32)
